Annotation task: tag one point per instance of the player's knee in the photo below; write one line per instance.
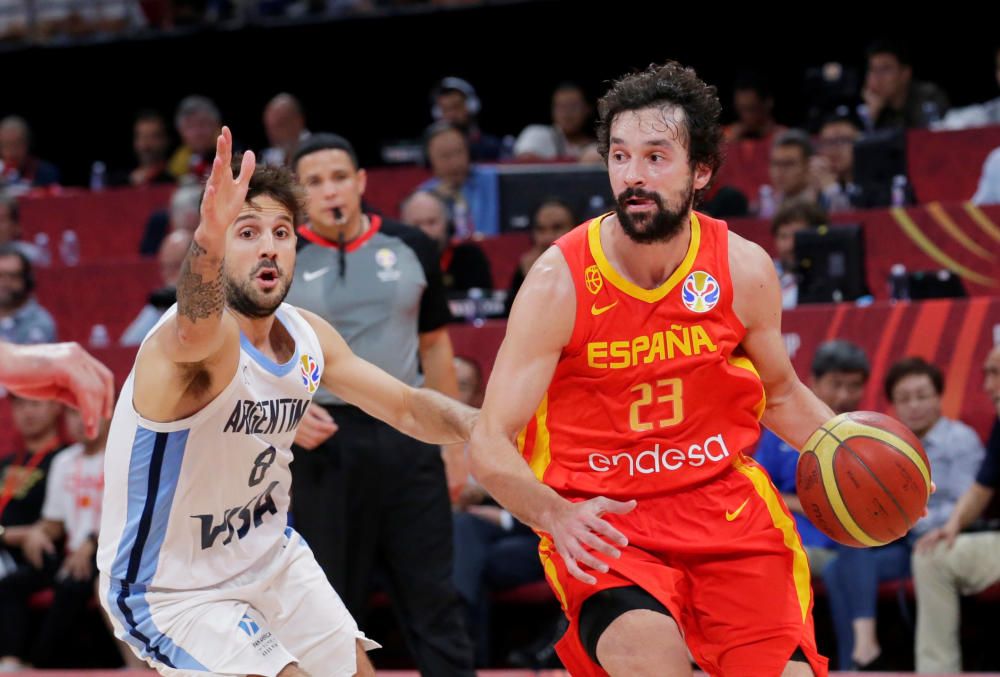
(643, 642)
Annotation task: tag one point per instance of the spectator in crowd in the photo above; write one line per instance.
(57, 18)
(454, 100)
(892, 98)
(754, 106)
(471, 191)
(571, 134)
(493, 551)
(470, 381)
(67, 532)
(285, 126)
(553, 218)
(10, 228)
(464, 266)
(23, 476)
(19, 170)
(151, 144)
(791, 153)
(988, 192)
(832, 168)
(976, 115)
(172, 253)
(365, 494)
(914, 388)
(15, 20)
(793, 217)
(183, 213)
(199, 123)
(948, 563)
(22, 319)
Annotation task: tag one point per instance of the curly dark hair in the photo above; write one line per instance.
(276, 182)
(670, 84)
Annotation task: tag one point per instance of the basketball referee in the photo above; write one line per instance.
(365, 494)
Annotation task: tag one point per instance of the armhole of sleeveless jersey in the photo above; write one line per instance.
(729, 289)
(194, 419)
(184, 423)
(575, 342)
(291, 313)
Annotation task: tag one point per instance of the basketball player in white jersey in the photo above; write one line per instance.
(199, 571)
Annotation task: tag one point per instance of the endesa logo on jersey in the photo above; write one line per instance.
(657, 459)
(700, 292)
(310, 373)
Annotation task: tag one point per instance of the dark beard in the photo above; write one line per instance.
(664, 224)
(240, 296)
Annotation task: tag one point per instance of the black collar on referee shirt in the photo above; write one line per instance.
(374, 220)
(343, 248)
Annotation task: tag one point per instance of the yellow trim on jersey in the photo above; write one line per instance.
(847, 427)
(782, 522)
(551, 573)
(630, 288)
(746, 363)
(521, 438)
(541, 454)
(824, 448)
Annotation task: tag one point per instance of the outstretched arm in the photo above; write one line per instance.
(419, 412)
(194, 334)
(540, 325)
(63, 372)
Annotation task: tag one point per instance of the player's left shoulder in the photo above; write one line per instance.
(750, 266)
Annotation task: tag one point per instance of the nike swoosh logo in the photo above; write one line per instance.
(730, 516)
(594, 310)
(311, 275)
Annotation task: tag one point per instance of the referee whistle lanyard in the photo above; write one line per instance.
(9, 489)
(342, 255)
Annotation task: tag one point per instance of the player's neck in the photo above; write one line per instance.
(267, 336)
(256, 329)
(646, 265)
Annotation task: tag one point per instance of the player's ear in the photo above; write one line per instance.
(702, 175)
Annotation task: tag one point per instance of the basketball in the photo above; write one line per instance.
(863, 479)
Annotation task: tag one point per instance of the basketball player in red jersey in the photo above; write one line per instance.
(641, 355)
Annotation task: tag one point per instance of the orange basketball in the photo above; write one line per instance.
(863, 479)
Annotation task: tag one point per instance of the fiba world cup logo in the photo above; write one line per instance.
(592, 278)
(700, 292)
(309, 371)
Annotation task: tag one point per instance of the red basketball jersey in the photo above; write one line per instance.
(653, 393)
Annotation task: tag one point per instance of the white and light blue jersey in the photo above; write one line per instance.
(192, 503)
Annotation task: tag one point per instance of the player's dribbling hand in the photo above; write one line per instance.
(315, 428)
(579, 532)
(224, 196)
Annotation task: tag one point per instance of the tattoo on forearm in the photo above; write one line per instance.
(198, 298)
